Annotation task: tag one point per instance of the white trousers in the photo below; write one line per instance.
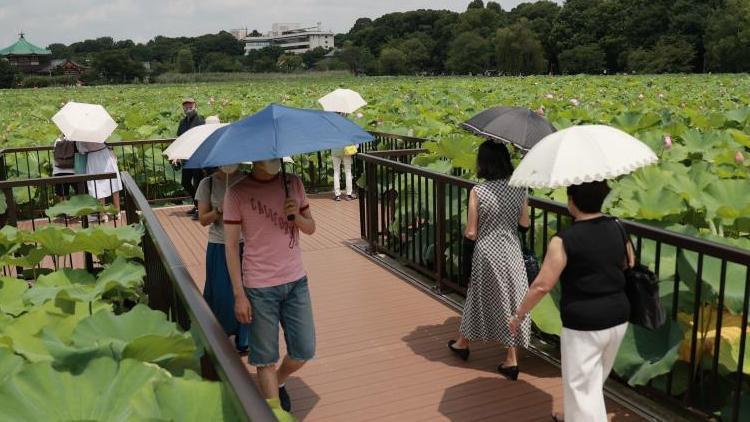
(587, 359)
(347, 160)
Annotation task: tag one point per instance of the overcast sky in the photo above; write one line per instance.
(67, 21)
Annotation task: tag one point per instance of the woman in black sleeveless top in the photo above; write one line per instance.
(588, 258)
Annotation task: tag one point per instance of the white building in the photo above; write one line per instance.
(292, 37)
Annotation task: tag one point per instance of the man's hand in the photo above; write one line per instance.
(291, 207)
(242, 309)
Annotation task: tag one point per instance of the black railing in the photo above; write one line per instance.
(25, 202)
(159, 180)
(417, 216)
(171, 289)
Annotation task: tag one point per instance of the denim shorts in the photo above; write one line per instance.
(288, 305)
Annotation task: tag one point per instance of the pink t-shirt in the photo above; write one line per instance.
(272, 255)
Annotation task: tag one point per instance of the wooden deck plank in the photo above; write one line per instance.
(382, 351)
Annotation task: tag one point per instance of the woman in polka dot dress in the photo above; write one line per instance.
(498, 275)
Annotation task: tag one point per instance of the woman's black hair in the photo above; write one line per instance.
(589, 197)
(493, 161)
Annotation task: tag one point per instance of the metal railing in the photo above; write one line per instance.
(160, 180)
(25, 202)
(417, 217)
(171, 289)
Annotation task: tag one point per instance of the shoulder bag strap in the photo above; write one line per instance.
(627, 240)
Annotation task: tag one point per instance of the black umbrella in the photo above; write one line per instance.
(514, 125)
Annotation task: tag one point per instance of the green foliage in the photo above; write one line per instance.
(518, 51)
(290, 63)
(135, 391)
(392, 61)
(7, 75)
(70, 349)
(468, 53)
(669, 55)
(116, 66)
(185, 62)
(77, 206)
(587, 58)
(727, 35)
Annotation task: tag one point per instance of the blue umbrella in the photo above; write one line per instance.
(277, 131)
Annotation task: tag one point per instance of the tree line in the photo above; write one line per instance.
(581, 36)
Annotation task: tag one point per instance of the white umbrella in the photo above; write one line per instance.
(84, 122)
(581, 154)
(185, 145)
(342, 101)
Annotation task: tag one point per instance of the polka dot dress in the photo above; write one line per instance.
(498, 275)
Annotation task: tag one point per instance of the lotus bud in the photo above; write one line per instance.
(667, 141)
(739, 158)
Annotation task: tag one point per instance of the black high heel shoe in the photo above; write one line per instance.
(509, 372)
(462, 353)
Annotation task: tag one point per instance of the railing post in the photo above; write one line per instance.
(372, 205)
(440, 234)
(3, 167)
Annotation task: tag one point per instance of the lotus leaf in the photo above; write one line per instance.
(11, 295)
(729, 345)
(727, 200)
(105, 390)
(78, 206)
(55, 240)
(192, 400)
(9, 364)
(645, 354)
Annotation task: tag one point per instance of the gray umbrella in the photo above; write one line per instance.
(513, 125)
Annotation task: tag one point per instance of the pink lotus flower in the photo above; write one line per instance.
(739, 158)
(667, 141)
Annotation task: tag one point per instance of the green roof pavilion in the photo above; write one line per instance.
(24, 48)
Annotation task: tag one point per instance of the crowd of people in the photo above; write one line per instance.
(256, 281)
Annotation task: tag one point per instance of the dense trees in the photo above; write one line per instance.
(590, 36)
(7, 74)
(579, 36)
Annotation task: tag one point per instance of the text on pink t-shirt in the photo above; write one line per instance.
(272, 255)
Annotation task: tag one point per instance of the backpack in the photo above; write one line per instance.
(64, 154)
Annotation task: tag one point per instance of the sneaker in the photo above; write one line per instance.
(337, 198)
(286, 402)
(351, 197)
(192, 211)
(195, 217)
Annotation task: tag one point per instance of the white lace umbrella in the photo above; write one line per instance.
(185, 145)
(581, 154)
(84, 122)
(342, 101)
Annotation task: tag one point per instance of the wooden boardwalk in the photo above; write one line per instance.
(382, 351)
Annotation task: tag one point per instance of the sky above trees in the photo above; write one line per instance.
(54, 21)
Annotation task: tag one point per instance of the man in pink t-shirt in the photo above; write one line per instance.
(272, 288)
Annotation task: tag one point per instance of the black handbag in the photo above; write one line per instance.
(642, 289)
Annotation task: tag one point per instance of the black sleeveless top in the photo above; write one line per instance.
(593, 283)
